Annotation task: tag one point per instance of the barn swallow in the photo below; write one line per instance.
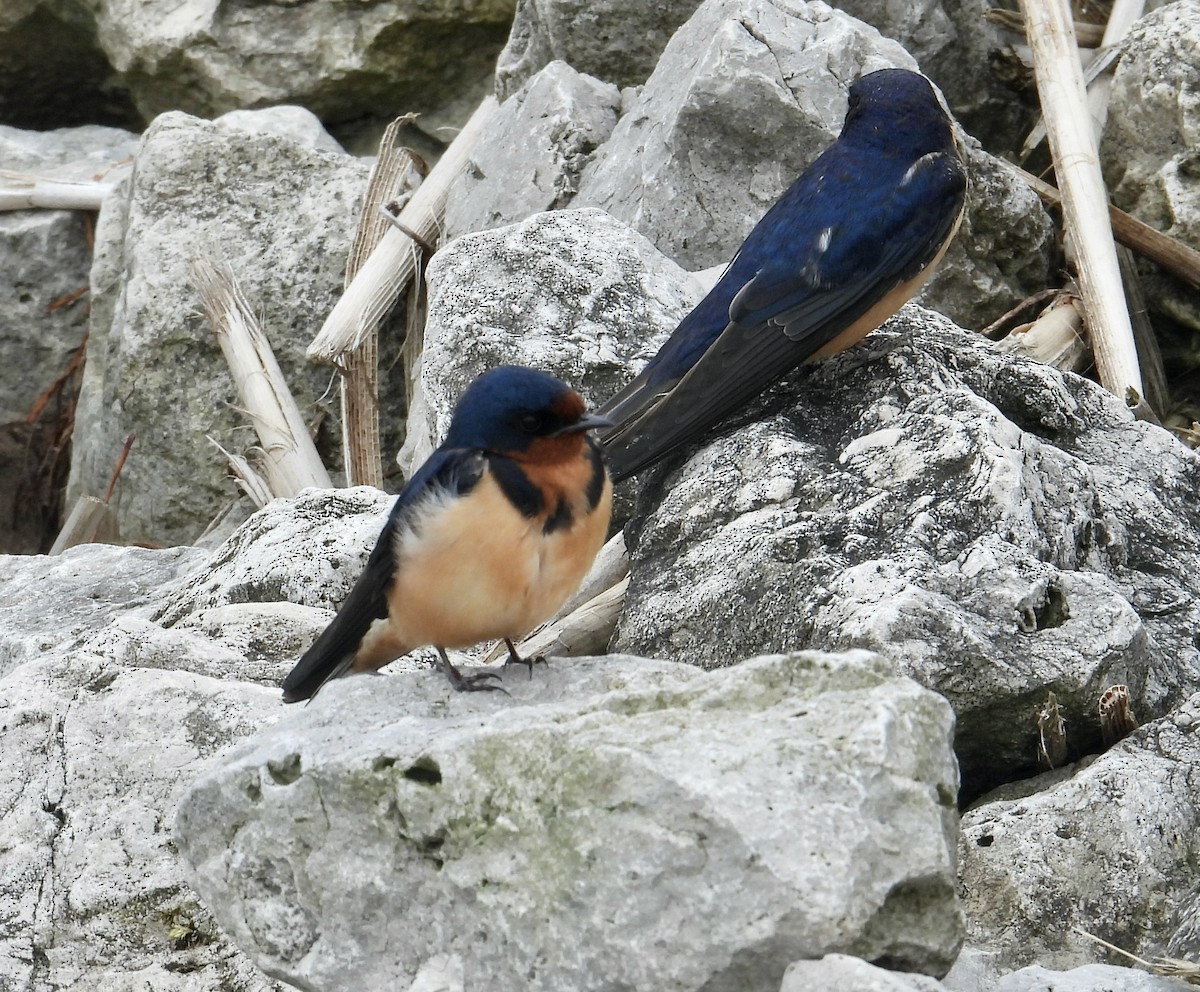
(486, 541)
(841, 251)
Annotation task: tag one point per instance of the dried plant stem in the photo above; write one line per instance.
(19, 191)
(393, 263)
(291, 461)
(1054, 338)
(395, 169)
(1085, 201)
(1171, 254)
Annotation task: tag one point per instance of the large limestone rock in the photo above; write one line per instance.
(342, 61)
(281, 215)
(618, 41)
(94, 753)
(1149, 147)
(999, 530)
(533, 150)
(616, 823)
(1100, 850)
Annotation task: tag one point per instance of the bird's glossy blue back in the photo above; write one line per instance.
(496, 411)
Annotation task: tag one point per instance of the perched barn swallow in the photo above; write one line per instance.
(486, 541)
(841, 251)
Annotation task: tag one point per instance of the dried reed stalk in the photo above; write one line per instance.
(19, 191)
(1169, 253)
(393, 263)
(290, 460)
(394, 171)
(1085, 201)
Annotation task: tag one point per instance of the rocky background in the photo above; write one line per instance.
(825, 751)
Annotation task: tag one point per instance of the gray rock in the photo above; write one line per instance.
(435, 58)
(618, 41)
(45, 256)
(1089, 978)
(744, 98)
(730, 821)
(841, 973)
(575, 293)
(294, 123)
(281, 215)
(531, 154)
(93, 761)
(1149, 152)
(994, 527)
(306, 550)
(82, 589)
(1102, 851)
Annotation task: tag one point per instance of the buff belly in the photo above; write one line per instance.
(474, 569)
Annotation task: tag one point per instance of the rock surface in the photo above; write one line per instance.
(533, 150)
(1100, 850)
(732, 821)
(997, 529)
(281, 215)
(1149, 152)
(342, 61)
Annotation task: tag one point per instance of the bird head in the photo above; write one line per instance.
(897, 108)
(521, 412)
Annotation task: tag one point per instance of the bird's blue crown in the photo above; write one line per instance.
(509, 407)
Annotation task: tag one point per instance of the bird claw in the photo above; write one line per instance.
(475, 682)
(514, 658)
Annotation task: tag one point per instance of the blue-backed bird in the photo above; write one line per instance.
(486, 541)
(841, 251)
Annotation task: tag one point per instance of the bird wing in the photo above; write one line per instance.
(447, 470)
(817, 280)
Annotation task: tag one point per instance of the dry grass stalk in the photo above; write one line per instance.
(1116, 718)
(1186, 971)
(1154, 375)
(1088, 35)
(1052, 734)
(395, 171)
(1055, 338)
(289, 458)
(1165, 251)
(248, 478)
(1085, 200)
(393, 263)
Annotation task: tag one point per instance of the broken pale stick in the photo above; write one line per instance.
(20, 191)
(1054, 338)
(392, 264)
(91, 520)
(1085, 200)
(290, 460)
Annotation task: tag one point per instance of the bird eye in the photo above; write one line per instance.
(531, 423)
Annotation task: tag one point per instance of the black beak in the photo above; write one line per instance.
(588, 422)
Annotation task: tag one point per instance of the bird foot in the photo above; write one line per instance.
(475, 682)
(514, 658)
